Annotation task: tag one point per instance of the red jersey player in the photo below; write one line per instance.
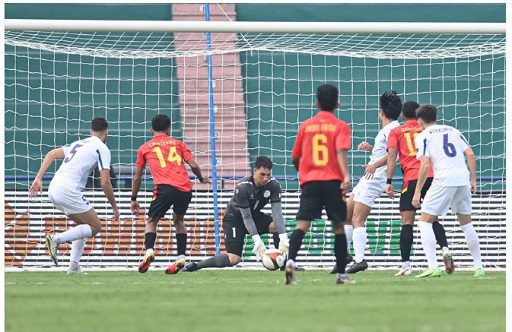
(320, 156)
(166, 157)
(401, 143)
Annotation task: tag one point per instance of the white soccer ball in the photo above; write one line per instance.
(273, 259)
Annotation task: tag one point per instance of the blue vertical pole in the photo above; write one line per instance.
(212, 134)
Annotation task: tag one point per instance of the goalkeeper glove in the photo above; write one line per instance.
(259, 247)
(284, 244)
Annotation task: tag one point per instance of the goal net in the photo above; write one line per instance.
(263, 87)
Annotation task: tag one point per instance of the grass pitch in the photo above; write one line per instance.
(251, 300)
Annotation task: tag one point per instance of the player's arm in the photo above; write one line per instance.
(137, 179)
(422, 177)
(37, 184)
(106, 185)
(471, 160)
(297, 149)
(371, 168)
(391, 163)
(196, 170)
(259, 246)
(343, 164)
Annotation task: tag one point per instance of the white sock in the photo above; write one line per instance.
(359, 238)
(349, 229)
(406, 265)
(78, 232)
(77, 249)
(473, 244)
(428, 242)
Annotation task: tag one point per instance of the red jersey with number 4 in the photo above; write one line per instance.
(166, 158)
(402, 138)
(316, 144)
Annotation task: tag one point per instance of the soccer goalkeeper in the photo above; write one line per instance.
(243, 216)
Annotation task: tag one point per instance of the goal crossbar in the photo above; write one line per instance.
(243, 27)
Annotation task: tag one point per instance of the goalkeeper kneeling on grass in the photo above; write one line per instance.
(243, 216)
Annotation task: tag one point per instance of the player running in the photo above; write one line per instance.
(166, 157)
(65, 190)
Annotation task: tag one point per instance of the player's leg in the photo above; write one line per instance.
(180, 201)
(81, 212)
(361, 212)
(406, 241)
(439, 232)
(157, 210)
(348, 229)
(461, 205)
(436, 203)
(310, 208)
(85, 221)
(234, 236)
(336, 210)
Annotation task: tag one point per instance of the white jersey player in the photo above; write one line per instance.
(65, 190)
(372, 184)
(445, 149)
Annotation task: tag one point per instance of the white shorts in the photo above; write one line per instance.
(367, 191)
(68, 201)
(439, 199)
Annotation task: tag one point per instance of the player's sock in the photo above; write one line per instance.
(440, 234)
(78, 232)
(295, 243)
(215, 261)
(275, 237)
(406, 240)
(340, 252)
(349, 230)
(77, 248)
(149, 240)
(428, 242)
(181, 239)
(359, 238)
(473, 244)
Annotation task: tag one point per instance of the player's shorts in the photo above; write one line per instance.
(319, 194)
(439, 198)
(68, 200)
(407, 194)
(367, 191)
(164, 196)
(235, 231)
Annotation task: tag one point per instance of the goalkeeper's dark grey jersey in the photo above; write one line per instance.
(247, 195)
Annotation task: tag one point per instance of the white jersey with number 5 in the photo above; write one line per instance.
(445, 147)
(81, 157)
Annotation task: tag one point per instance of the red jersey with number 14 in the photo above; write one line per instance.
(166, 158)
(402, 138)
(316, 144)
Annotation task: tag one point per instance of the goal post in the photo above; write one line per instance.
(60, 74)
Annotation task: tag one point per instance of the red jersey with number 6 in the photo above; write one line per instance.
(317, 143)
(166, 157)
(402, 138)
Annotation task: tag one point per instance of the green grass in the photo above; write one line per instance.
(245, 300)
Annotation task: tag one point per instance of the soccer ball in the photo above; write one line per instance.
(273, 259)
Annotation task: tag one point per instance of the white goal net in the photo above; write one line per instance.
(263, 87)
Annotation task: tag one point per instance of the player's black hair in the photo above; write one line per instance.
(391, 104)
(409, 109)
(99, 124)
(160, 122)
(327, 96)
(427, 113)
(263, 161)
